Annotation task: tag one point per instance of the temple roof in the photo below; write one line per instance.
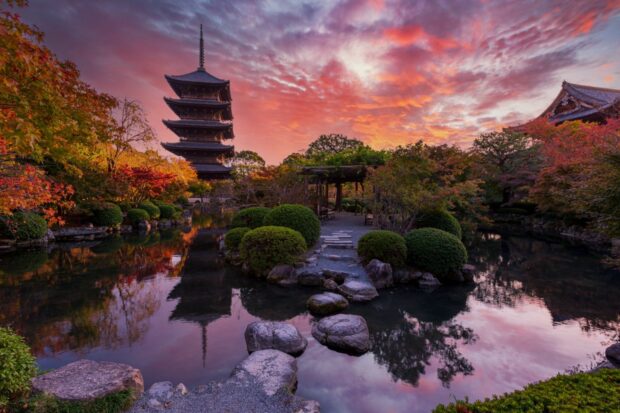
(580, 101)
(193, 146)
(212, 103)
(196, 123)
(199, 76)
(211, 168)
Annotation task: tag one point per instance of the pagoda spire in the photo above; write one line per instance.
(202, 52)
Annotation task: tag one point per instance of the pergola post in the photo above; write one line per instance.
(338, 205)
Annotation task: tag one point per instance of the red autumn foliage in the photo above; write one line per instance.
(141, 183)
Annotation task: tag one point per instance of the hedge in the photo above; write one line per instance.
(151, 208)
(17, 367)
(297, 217)
(386, 246)
(23, 226)
(232, 239)
(249, 217)
(135, 215)
(436, 251)
(107, 215)
(582, 392)
(265, 247)
(440, 219)
(166, 211)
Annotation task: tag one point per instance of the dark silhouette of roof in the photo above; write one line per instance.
(576, 102)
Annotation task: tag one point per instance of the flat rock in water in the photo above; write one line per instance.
(343, 332)
(275, 335)
(89, 380)
(428, 281)
(310, 276)
(326, 303)
(273, 370)
(356, 290)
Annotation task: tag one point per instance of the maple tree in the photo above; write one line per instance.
(142, 183)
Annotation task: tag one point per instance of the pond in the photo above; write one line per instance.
(167, 304)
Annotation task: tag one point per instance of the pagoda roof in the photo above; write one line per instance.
(580, 101)
(197, 102)
(193, 146)
(196, 123)
(199, 76)
(211, 168)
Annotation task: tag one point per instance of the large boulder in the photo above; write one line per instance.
(85, 380)
(428, 281)
(406, 275)
(282, 274)
(264, 335)
(273, 370)
(310, 276)
(380, 273)
(356, 290)
(343, 332)
(326, 303)
(613, 354)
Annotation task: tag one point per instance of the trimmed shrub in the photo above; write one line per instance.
(107, 215)
(136, 215)
(297, 217)
(386, 246)
(249, 217)
(166, 211)
(440, 219)
(436, 251)
(182, 200)
(17, 367)
(232, 239)
(582, 392)
(151, 208)
(23, 226)
(265, 247)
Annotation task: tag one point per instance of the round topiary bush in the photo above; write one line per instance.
(23, 226)
(436, 251)
(249, 217)
(440, 219)
(107, 215)
(166, 211)
(232, 239)
(135, 215)
(386, 246)
(265, 247)
(151, 208)
(17, 367)
(297, 217)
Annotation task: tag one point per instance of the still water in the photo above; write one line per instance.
(167, 304)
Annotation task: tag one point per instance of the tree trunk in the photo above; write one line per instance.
(338, 196)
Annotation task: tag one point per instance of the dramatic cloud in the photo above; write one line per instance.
(388, 72)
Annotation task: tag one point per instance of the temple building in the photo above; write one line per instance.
(585, 103)
(203, 106)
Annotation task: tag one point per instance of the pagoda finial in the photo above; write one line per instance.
(202, 52)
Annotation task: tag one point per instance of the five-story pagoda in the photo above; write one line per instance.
(205, 120)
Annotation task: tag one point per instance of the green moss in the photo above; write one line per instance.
(249, 217)
(297, 217)
(440, 219)
(23, 226)
(436, 251)
(135, 215)
(151, 208)
(232, 239)
(386, 246)
(575, 393)
(265, 247)
(107, 215)
(17, 367)
(113, 403)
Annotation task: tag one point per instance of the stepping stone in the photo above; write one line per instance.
(343, 332)
(88, 380)
(274, 335)
(359, 291)
(341, 246)
(326, 303)
(335, 257)
(273, 370)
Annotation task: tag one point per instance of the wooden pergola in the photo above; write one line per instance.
(323, 176)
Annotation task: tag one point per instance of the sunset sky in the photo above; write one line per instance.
(386, 72)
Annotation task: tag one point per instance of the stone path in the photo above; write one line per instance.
(337, 250)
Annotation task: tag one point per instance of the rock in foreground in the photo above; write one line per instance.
(343, 332)
(273, 370)
(85, 380)
(613, 354)
(265, 335)
(326, 303)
